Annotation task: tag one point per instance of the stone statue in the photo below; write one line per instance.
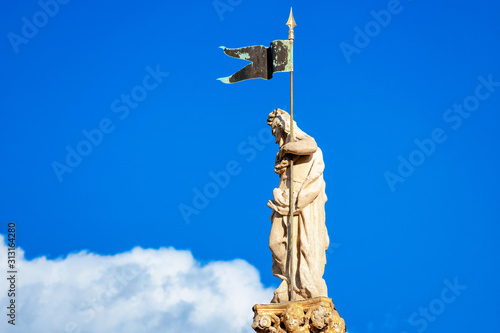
(309, 214)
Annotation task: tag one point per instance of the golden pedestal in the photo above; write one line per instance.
(314, 315)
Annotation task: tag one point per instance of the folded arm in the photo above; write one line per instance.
(305, 146)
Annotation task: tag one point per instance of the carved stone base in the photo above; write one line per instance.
(314, 315)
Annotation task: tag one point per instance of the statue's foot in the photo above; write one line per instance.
(281, 294)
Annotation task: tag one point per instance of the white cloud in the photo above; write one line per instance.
(143, 290)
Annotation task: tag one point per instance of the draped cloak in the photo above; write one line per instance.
(312, 236)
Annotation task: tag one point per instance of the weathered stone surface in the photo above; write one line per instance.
(315, 315)
(310, 237)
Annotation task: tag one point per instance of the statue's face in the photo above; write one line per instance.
(279, 134)
(292, 323)
(294, 318)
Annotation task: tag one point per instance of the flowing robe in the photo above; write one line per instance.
(312, 236)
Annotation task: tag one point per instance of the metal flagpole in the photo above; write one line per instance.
(292, 234)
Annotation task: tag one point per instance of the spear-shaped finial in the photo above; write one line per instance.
(291, 23)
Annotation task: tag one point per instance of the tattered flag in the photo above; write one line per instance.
(264, 61)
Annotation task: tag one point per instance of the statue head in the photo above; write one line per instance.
(293, 317)
(279, 120)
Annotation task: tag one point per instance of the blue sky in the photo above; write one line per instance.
(402, 97)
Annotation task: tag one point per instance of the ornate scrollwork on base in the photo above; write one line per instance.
(315, 315)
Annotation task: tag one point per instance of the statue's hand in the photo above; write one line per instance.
(279, 209)
(282, 165)
(281, 197)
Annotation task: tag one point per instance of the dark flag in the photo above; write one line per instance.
(264, 61)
